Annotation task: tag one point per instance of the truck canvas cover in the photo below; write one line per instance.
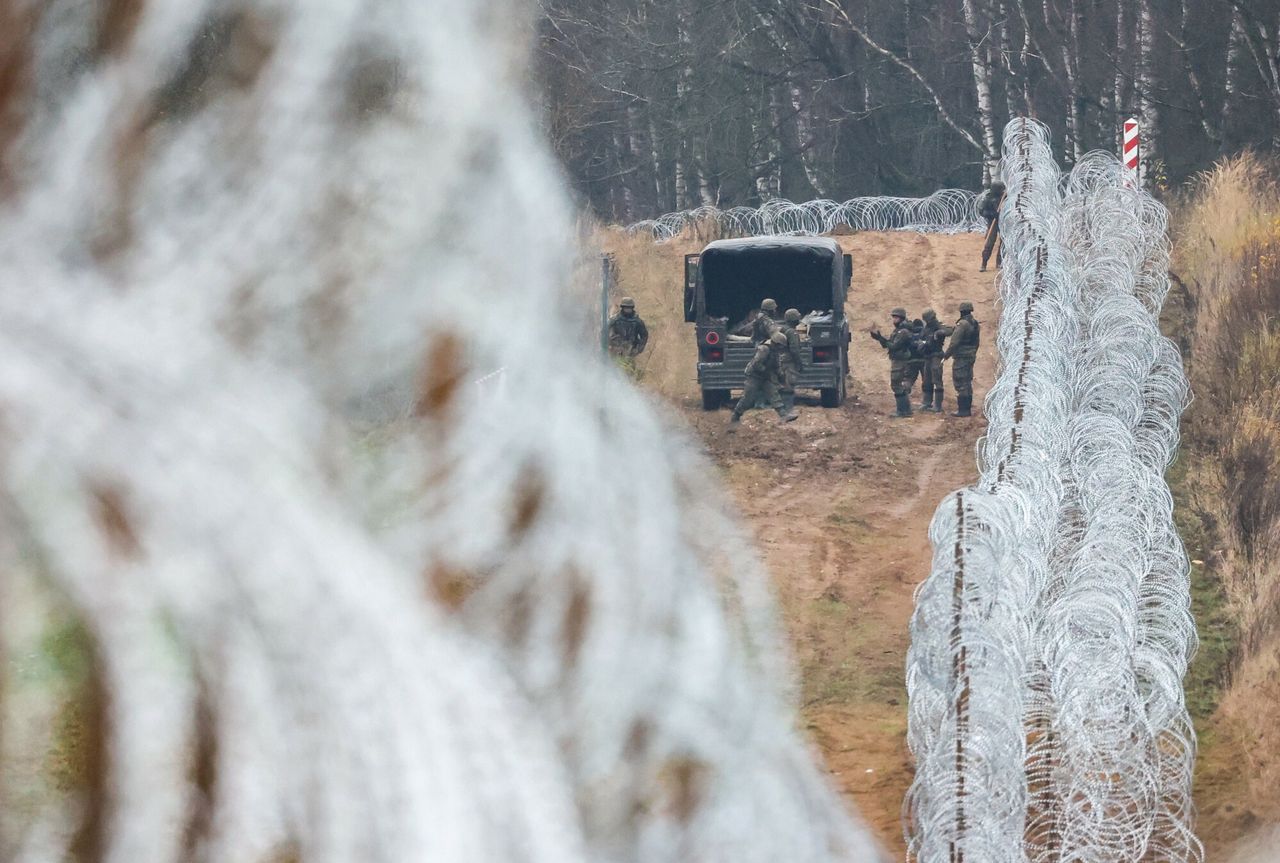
(804, 273)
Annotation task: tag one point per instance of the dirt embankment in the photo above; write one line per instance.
(840, 501)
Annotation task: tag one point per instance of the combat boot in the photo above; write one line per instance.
(963, 406)
(937, 400)
(904, 406)
(926, 399)
(788, 415)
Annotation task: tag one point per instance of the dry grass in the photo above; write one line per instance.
(653, 275)
(1228, 263)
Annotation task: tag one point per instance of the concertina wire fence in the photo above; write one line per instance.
(236, 240)
(1049, 643)
(948, 211)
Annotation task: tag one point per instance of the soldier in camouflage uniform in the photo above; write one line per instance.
(762, 325)
(962, 350)
(899, 347)
(628, 336)
(792, 359)
(915, 365)
(931, 385)
(764, 377)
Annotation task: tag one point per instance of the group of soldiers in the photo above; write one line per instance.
(918, 348)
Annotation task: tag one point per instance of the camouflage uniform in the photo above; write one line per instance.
(915, 365)
(628, 336)
(763, 378)
(762, 325)
(899, 347)
(792, 359)
(931, 384)
(963, 350)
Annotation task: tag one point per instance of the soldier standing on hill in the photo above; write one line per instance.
(989, 208)
(899, 347)
(963, 350)
(931, 384)
(792, 359)
(628, 336)
(764, 376)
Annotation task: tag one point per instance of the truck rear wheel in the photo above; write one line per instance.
(833, 397)
(713, 399)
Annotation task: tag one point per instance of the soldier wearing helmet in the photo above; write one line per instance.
(628, 336)
(792, 359)
(962, 350)
(898, 344)
(762, 324)
(931, 384)
(763, 379)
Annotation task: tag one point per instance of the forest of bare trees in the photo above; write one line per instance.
(659, 105)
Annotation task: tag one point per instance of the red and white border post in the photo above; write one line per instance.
(1131, 152)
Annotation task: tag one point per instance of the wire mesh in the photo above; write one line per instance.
(1050, 640)
(246, 290)
(948, 211)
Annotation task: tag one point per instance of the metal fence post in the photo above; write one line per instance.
(606, 275)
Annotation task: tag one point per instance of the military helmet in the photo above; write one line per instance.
(929, 315)
(793, 316)
(770, 306)
(627, 303)
(966, 307)
(779, 339)
(899, 312)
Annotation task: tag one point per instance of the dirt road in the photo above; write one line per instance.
(840, 501)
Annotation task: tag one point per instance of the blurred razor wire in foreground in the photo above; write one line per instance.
(279, 582)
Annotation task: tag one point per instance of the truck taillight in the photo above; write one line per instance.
(713, 338)
(715, 355)
(824, 355)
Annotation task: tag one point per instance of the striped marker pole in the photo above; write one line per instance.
(1131, 154)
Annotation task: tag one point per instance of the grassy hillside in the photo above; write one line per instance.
(1226, 315)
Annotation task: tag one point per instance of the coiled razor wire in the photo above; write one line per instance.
(1049, 642)
(344, 605)
(948, 211)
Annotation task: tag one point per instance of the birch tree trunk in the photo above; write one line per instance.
(1262, 35)
(806, 141)
(646, 190)
(661, 191)
(1024, 59)
(1122, 90)
(1210, 120)
(684, 197)
(1149, 122)
(1011, 94)
(773, 146)
(980, 56)
(1231, 88)
(1076, 144)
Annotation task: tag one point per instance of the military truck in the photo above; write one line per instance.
(723, 287)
